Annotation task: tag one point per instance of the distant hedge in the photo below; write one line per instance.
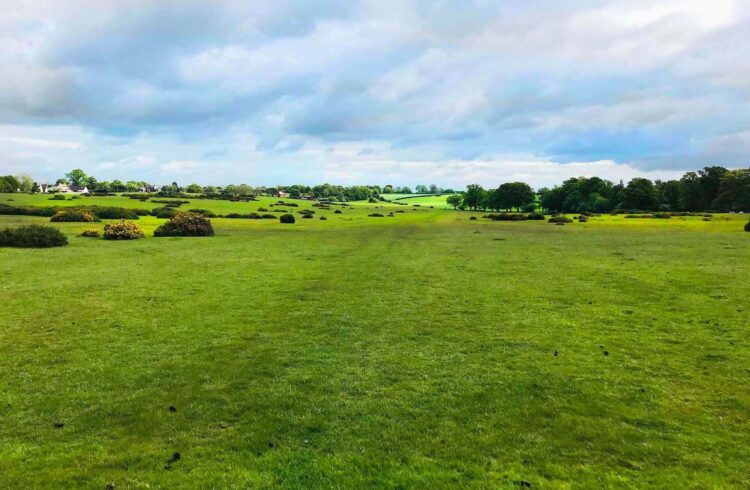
(164, 212)
(559, 219)
(74, 215)
(32, 236)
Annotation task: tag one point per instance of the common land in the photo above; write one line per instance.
(420, 350)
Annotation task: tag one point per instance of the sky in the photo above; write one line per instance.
(381, 92)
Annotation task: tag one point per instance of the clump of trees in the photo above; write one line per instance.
(16, 183)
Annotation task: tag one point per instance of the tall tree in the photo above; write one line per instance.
(474, 196)
(77, 177)
(639, 194)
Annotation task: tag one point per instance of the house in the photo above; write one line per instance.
(281, 194)
(46, 188)
(308, 197)
(81, 190)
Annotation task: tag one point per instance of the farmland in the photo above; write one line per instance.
(423, 349)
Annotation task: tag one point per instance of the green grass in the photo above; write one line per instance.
(410, 199)
(414, 351)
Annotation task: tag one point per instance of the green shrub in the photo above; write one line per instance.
(529, 208)
(287, 218)
(74, 215)
(535, 217)
(323, 218)
(747, 226)
(372, 200)
(186, 224)
(338, 211)
(57, 197)
(473, 218)
(560, 219)
(28, 211)
(204, 212)
(32, 236)
(662, 215)
(375, 215)
(269, 216)
(124, 230)
(90, 233)
(507, 217)
(115, 213)
(165, 213)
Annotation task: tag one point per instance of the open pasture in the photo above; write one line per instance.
(420, 350)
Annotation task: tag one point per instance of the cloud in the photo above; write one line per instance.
(366, 91)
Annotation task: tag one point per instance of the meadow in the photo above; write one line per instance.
(420, 350)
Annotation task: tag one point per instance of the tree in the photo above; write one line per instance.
(77, 177)
(388, 189)
(9, 183)
(194, 189)
(553, 199)
(25, 183)
(454, 200)
(692, 196)
(639, 194)
(434, 189)
(670, 194)
(512, 195)
(734, 191)
(474, 196)
(710, 179)
(421, 189)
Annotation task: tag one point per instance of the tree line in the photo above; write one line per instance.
(711, 188)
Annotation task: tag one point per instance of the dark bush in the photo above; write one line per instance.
(164, 212)
(124, 230)
(473, 218)
(375, 215)
(74, 215)
(307, 216)
(28, 211)
(287, 218)
(372, 200)
(204, 212)
(559, 219)
(662, 215)
(583, 219)
(262, 210)
(90, 233)
(535, 217)
(186, 224)
(338, 211)
(32, 236)
(507, 217)
(323, 218)
(747, 226)
(140, 212)
(115, 213)
(57, 197)
(170, 203)
(269, 216)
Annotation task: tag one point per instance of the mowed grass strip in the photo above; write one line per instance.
(420, 350)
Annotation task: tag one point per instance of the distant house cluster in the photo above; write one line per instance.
(62, 188)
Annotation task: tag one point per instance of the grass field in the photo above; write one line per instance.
(423, 350)
(436, 201)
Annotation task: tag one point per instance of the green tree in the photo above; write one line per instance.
(77, 177)
(692, 196)
(639, 194)
(25, 183)
(512, 195)
(474, 196)
(9, 183)
(454, 200)
(421, 189)
(194, 189)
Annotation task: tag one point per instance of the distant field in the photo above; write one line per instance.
(436, 201)
(422, 350)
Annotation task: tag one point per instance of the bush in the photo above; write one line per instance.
(262, 210)
(74, 216)
(372, 200)
(115, 213)
(204, 212)
(473, 218)
(662, 215)
(535, 217)
(747, 226)
(323, 218)
(307, 216)
(530, 208)
(32, 236)
(559, 219)
(28, 211)
(338, 211)
(165, 213)
(375, 215)
(507, 217)
(124, 230)
(57, 197)
(287, 218)
(269, 216)
(186, 224)
(90, 233)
